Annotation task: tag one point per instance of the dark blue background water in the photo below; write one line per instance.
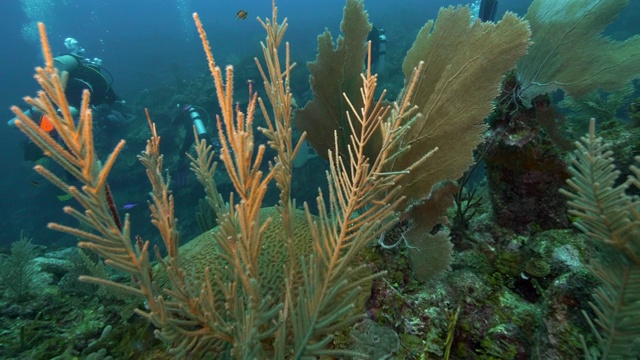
(140, 42)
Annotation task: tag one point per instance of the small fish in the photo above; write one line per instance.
(241, 15)
(129, 206)
(35, 183)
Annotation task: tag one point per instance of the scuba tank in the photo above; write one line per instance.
(196, 119)
(382, 50)
(67, 63)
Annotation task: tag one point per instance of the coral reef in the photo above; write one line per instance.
(266, 279)
(525, 166)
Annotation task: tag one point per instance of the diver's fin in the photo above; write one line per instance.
(488, 10)
(64, 197)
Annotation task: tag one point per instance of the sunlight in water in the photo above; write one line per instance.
(36, 10)
(184, 8)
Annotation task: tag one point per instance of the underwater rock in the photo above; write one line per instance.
(524, 187)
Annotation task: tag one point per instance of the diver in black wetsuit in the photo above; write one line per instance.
(378, 49)
(488, 10)
(83, 74)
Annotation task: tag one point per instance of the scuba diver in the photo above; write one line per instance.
(190, 116)
(83, 73)
(378, 48)
(488, 10)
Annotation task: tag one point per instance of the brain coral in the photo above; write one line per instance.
(204, 251)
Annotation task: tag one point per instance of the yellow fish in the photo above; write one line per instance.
(241, 15)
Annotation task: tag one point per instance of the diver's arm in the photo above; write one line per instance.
(34, 114)
(31, 113)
